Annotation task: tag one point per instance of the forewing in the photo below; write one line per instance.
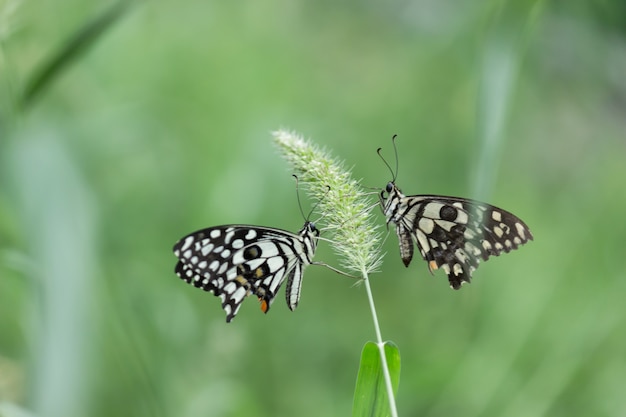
(233, 262)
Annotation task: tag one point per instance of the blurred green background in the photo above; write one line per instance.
(162, 126)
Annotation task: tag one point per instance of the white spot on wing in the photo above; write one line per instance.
(269, 249)
(446, 225)
(229, 235)
(461, 255)
(432, 210)
(239, 294)
(255, 263)
(206, 249)
(215, 233)
(187, 243)
(238, 258)
(426, 225)
(423, 241)
(469, 234)
(230, 288)
(275, 263)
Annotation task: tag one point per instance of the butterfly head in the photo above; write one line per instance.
(309, 229)
(390, 198)
(309, 234)
(390, 195)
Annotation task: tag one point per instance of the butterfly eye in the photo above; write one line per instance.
(389, 187)
(313, 229)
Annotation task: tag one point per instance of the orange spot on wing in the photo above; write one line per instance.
(433, 265)
(264, 305)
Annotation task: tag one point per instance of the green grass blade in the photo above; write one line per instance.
(81, 41)
(370, 394)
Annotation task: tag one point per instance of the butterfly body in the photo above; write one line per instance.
(451, 233)
(235, 261)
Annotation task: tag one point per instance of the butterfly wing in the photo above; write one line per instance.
(455, 234)
(235, 261)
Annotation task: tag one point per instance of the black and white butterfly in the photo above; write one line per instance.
(451, 233)
(235, 261)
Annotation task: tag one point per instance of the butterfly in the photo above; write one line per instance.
(235, 261)
(451, 233)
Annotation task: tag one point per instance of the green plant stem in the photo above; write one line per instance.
(381, 346)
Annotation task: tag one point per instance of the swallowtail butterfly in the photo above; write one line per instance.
(235, 261)
(451, 233)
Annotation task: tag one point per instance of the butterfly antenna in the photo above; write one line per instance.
(395, 151)
(308, 217)
(318, 203)
(298, 197)
(393, 173)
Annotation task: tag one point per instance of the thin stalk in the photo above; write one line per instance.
(381, 347)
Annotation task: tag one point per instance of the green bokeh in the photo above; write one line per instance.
(162, 127)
